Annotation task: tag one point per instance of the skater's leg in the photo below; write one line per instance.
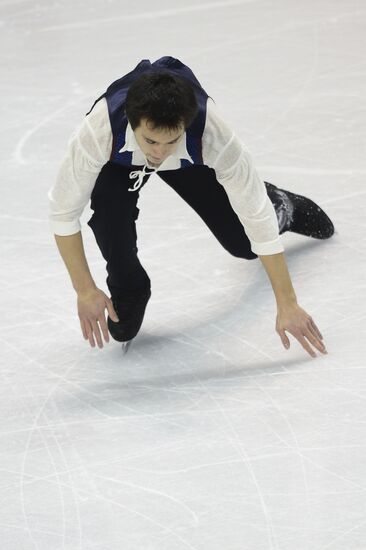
(199, 188)
(114, 227)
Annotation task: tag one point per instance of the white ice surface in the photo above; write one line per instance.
(208, 435)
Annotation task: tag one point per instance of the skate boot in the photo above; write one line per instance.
(299, 214)
(130, 307)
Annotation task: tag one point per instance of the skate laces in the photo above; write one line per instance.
(139, 174)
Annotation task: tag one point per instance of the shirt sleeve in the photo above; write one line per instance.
(233, 165)
(88, 150)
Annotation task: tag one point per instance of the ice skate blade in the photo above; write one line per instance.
(125, 346)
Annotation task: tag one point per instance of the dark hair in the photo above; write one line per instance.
(165, 100)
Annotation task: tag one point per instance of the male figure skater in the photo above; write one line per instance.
(158, 118)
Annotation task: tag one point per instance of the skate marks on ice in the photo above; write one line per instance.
(147, 15)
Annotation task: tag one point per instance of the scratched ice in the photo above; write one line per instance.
(208, 435)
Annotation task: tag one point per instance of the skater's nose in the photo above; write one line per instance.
(160, 151)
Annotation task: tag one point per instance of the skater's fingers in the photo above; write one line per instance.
(83, 329)
(96, 332)
(295, 320)
(305, 344)
(316, 334)
(312, 333)
(315, 341)
(314, 327)
(111, 311)
(89, 332)
(104, 327)
(306, 339)
(285, 340)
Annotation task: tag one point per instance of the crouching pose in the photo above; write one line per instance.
(159, 119)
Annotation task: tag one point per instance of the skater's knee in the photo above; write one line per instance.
(245, 254)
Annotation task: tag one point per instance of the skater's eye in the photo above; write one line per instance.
(151, 142)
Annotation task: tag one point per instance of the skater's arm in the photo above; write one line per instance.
(290, 316)
(223, 151)
(91, 301)
(72, 252)
(88, 151)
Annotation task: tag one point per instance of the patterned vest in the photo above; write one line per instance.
(116, 98)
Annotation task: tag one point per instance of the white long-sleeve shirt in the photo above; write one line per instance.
(90, 148)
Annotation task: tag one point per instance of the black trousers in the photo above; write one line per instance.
(115, 213)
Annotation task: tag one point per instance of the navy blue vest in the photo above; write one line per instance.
(116, 97)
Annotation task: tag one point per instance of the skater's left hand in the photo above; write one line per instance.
(293, 319)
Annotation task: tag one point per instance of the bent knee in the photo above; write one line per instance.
(245, 254)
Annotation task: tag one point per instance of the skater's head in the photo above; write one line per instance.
(159, 107)
(166, 101)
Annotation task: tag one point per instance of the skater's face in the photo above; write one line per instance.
(157, 144)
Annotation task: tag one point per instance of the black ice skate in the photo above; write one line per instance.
(130, 308)
(299, 214)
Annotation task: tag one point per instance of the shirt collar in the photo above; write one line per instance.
(132, 145)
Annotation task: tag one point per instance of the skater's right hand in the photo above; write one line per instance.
(91, 306)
